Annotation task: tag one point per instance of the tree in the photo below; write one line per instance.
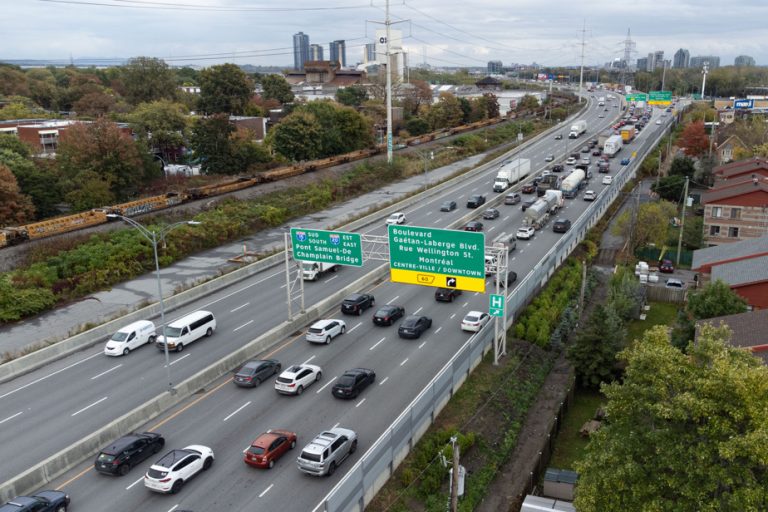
(682, 166)
(147, 79)
(650, 227)
(353, 96)
(715, 299)
(415, 95)
(670, 188)
(684, 432)
(275, 87)
(163, 123)
(593, 353)
(446, 113)
(39, 180)
(15, 144)
(417, 126)
(693, 233)
(694, 139)
(528, 102)
(94, 104)
(211, 143)
(297, 137)
(15, 207)
(224, 89)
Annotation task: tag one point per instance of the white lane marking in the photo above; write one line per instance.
(383, 381)
(247, 448)
(404, 361)
(355, 327)
(238, 409)
(462, 195)
(89, 406)
(204, 306)
(439, 329)
(377, 343)
(239, 307)
(491, 228)
(428, 214)
(475, 189)
(326, 385)
(106, 371)
(249, 322)
(11, 417)
(134, 483)
(336, 425)
(453, 315)
(173, 508)
(330, 279)
(308, 360)
(417, 311)
(476, 293)
(50, 375)
(358, 404)
(266, 490)
(465, 304)
(179, 359)
(437, 221)
(422, 344)
(283, 286)
(393, 299)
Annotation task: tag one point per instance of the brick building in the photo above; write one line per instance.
(43, 135)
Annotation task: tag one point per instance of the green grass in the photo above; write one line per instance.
(661, 313)
(570, 445)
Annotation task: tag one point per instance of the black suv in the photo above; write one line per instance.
(561, 225)
(413, 326)
(386, 315)
(446, 294)
(44, 501)
(256, 371)
(475, 201)
(119, 457)
(356, 303)
(353, 382)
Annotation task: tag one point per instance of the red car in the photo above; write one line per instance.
(666, 267)
(268, 447)
(528, 189)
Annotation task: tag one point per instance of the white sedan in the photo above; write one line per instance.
(177, 467)
(474, 321)
(396, 218)
(607, 180)
(294, 380)
(525, 233)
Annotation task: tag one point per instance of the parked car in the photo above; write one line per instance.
(352, 382)
(491, 213)
(475, 201)
(256, 371)
(473, 225)
(512, 198)
(396, 218)
(356, 303)
(386, 315)
(448, 206)
(666, 267)
(326, 451)
(446, 294)
(625, 161)
(43, 501)
(295, 379)
(525, 233)
(528, 188)
(549, 157)
(474, 321)
(177, 467)
(674, 283)
(561, 225)
(527, 203)
(269, 447)
(123, 454)
(413, 326)
(607, 180)
(590, 195)
(323, 331)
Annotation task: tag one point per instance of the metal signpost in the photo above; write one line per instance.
(660, 98)
(437, 257)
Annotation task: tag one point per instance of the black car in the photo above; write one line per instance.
(475, 201)
(386, 315)
(511, 278)
(353, 382)
(119, 457)
(491, 213)
(448, 206)
(446, 294)
(561, 225)
(558, 168)
(413, 326)
(597, 152)
(559, 136)
(528, 203)
(256, 371)
(473, 225)
(356, 303)
(44, 501)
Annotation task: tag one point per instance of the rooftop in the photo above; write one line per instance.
(742, 272)
(730, 252)
(748, 329)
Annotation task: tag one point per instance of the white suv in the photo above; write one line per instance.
(323, 331)
(525, 233)
(170, 473)
(294, 380)
(396, 218)
(326, 451)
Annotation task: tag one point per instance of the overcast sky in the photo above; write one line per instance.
(467, 33)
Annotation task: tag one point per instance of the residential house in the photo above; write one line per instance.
(749, 330)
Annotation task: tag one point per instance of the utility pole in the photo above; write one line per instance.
(583, 286)
(583, 43)
(389, 87)
(704, 71)
(682, 222)
(663, 74)
(455, 477)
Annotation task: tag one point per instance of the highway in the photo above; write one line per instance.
(55, 406)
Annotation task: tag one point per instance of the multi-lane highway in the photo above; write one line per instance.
(47, 410)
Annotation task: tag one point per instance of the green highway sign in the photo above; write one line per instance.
(636, 97)
(437, 257)
(327, 246)
(496, 305)
(660, 97)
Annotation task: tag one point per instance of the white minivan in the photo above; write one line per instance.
(130, 338)
(187, 329)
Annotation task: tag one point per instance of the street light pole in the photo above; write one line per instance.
(431, 156)
(154, 237)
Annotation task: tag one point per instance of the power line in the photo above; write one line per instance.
(140, 4)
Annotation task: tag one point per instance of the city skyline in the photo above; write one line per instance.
(206, 32)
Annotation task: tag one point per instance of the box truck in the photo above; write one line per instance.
(510, 173)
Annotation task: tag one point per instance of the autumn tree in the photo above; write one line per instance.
(163, 124)
(683, 432)
(15, 207)
(649, 227)
(528, 102)
(415, 95)
(94, 104)
(148, 79)
(445, 113)
(224, 89)
(694, 139)
(277, 88)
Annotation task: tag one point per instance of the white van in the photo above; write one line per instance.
(187, 329)
(505, 241)
(130, 338)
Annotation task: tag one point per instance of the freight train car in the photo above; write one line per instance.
(64, 224)
(146, 205)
